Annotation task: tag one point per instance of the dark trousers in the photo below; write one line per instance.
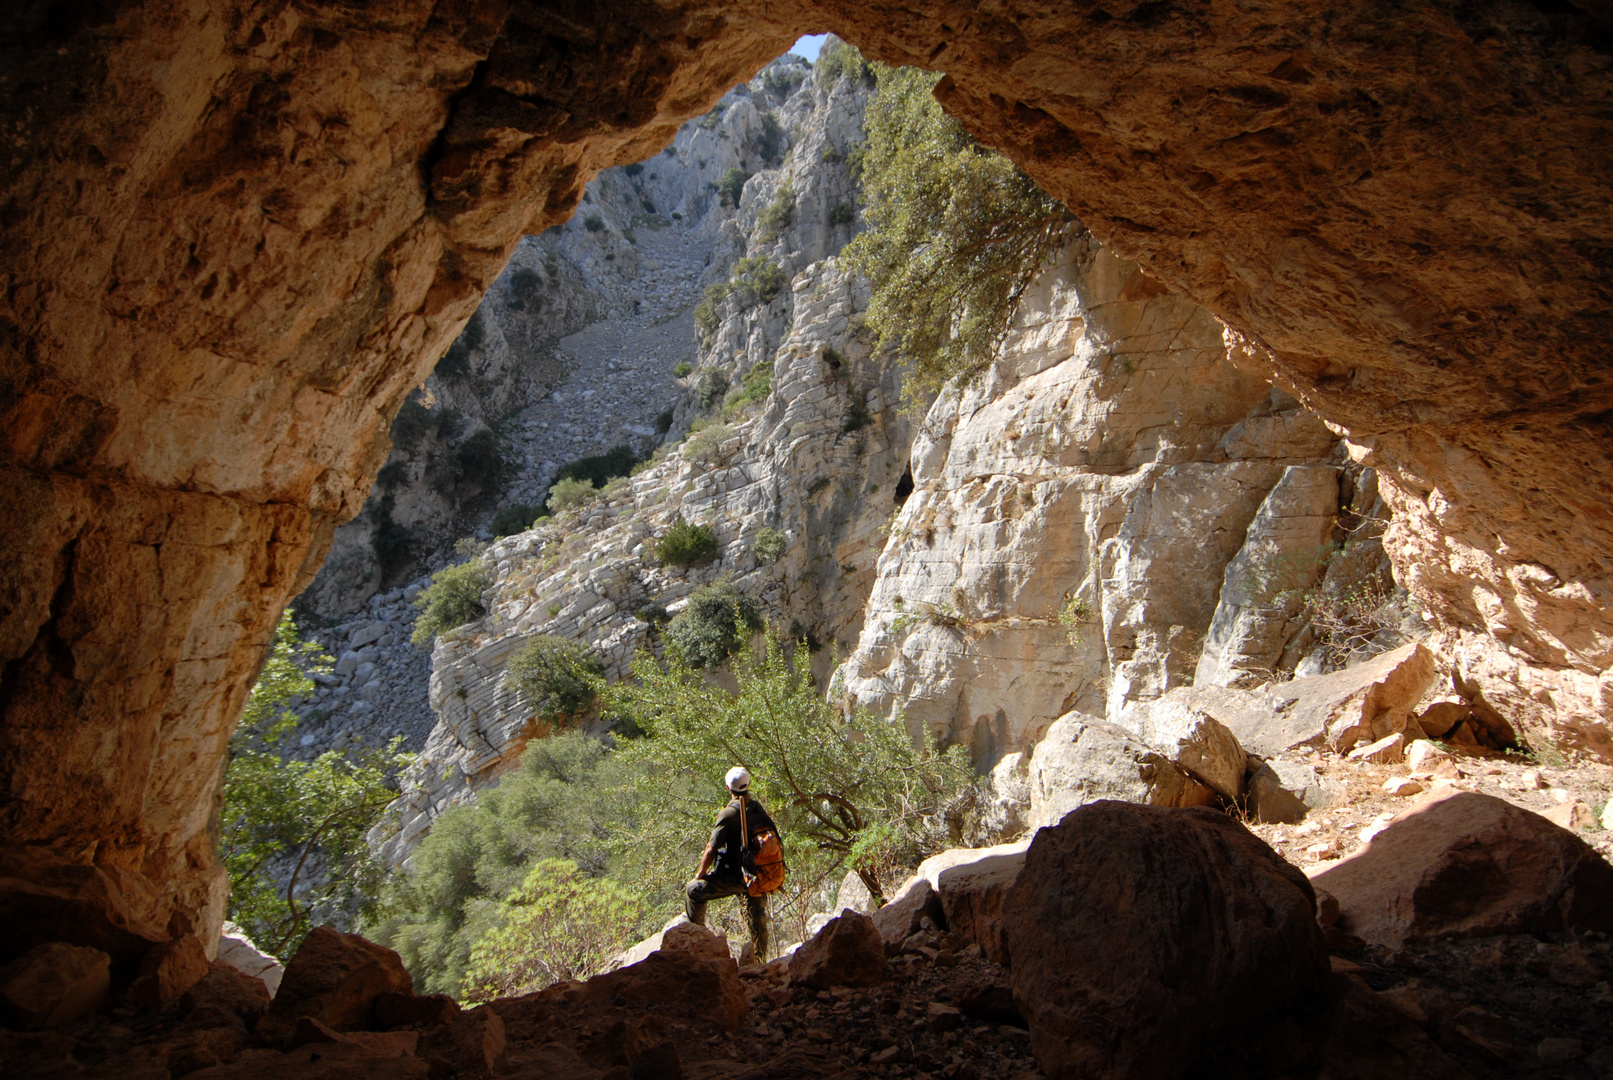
(715, 886)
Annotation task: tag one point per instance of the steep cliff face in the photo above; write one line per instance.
(1110, 512)
(236, 237)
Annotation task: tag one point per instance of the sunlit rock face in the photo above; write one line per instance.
(235, 236)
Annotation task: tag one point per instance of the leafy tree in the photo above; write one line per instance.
(600, 469)
(453, 598)
(848, 786)
(686, 545)
(777, 215)
(515, 518)
(713, 626)
(840, 59)
(955, 233)
(568, 494)
(562, 801)
(559, 676)
(732, 185)
(769, 546)
(560, 924)
(292, 833)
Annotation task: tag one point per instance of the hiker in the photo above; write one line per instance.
(721, 873)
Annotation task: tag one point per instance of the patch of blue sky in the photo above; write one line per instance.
(809, 46)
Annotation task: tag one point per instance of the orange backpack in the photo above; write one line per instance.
(762, 861)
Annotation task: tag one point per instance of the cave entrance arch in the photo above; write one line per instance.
(236, 237)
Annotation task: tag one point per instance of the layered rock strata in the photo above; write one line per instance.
(237, 237)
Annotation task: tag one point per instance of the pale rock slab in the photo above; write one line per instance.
(1083, 760)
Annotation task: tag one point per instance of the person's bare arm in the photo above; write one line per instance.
(705, 863)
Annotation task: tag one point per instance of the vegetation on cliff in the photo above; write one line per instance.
(956, 233)
(291, 832)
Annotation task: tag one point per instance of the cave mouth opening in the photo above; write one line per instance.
(302, 215)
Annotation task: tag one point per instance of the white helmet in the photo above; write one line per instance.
(738, 779)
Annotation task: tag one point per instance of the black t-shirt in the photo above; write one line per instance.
(725, 840)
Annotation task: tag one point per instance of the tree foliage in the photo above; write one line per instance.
(453, 598)
(562, 801)
(561, 924)
(717, 620)
(686, 545)
(292, 832)
(847, 786)
(569, 494)
(558, 676)
(955, 233)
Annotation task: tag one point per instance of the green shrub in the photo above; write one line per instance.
(857, 415)
(702, 446)
(277, 809)
(634, 169)
(769, 546)
(392, 474)
(686, 545)
(757, 384)
(771, 141)
(832, 153)
(560, 801)
(412, 422)
(455, 363)
(713, 626)
(777, 215)
(713, 385)
(561, 924)
(569, 494)
(600, 469)
(892, 802)
(663, 419)
(841, 59)
(453, 598)
(559, 677)
(732, 185)
(754, 281)
(593, 223)
(956, 233)
(680, 369)
(841, 214)
(515, 518)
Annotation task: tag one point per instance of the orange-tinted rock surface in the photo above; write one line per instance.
(235, 236)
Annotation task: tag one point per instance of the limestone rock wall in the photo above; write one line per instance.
(1076, 511)
(235, 236)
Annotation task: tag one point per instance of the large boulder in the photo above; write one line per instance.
(236, 949)
(168, 970)
(1143, 938)
(1469, 865)
(846, 952)
(335, 978)
(1198, 743)
(692, 976)
(1082, 760)
(973, 884)
(1284, 790)
(116, 911)
(905, 913)
(1339, 710)
(53, 983)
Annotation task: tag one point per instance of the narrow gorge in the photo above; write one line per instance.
(516, 344)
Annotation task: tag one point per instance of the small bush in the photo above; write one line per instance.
(412, 422)
(832, 153)
(771, 140)
(841, 59)
(680, 369)
(714, 625)
(686, 545)
(654, 614)
(593, 223)
(569, 494)
(702, 446)
(515, 518)
(558, 677)
(1075, 612)
(732, 186)
(758, 383)
(769, 546)
(856, 157)
(663, 421)
(857, 416)
(713, 385)
(634, 169)
(453, 598)
(600, 469)
(754, 280)
(841, 214)
(777, 215)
